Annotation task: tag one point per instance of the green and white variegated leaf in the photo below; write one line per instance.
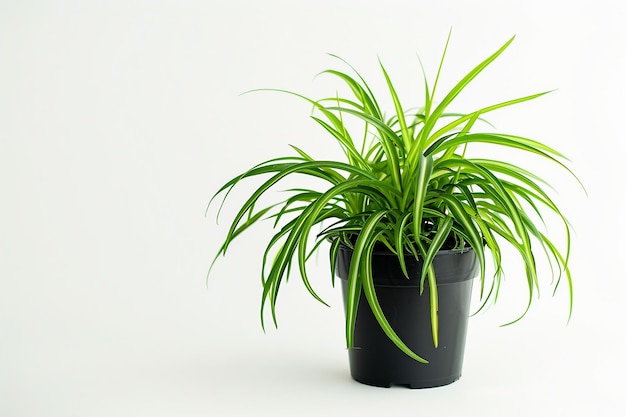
(407, 184)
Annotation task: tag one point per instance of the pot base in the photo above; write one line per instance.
(413, 384)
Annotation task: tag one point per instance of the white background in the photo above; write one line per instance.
(118, 120)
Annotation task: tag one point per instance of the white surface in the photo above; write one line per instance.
(119, 119)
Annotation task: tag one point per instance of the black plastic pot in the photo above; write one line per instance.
(376, 360)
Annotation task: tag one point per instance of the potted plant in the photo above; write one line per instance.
(409, 216)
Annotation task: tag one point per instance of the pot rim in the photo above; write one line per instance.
(387, 252)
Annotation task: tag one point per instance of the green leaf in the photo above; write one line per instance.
(360, 275)
(457, 209)
(459, 121)
(428, 270)
(406, 137)
(424, 171)
(456, 90)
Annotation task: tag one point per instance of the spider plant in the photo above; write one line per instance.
(408, 185)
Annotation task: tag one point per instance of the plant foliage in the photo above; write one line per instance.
(406, 184)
